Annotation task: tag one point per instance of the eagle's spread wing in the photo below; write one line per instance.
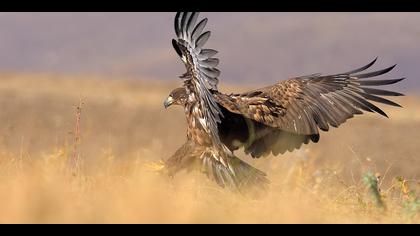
(200, 65)
(300, 106)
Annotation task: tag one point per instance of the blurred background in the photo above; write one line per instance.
(253, 47)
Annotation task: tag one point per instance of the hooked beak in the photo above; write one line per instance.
(169, 100)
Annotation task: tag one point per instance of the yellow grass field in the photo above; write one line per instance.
(124, 128)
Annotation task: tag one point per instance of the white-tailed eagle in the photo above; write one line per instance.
(270, 120)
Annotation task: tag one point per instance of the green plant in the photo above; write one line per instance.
(371, 181)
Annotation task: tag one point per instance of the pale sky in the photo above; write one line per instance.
(253, 47)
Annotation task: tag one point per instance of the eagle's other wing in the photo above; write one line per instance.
(305, 104)
(258, 139)
(200, 64)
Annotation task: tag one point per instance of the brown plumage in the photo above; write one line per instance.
(270, 120)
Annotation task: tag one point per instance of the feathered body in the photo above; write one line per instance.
(197, 125)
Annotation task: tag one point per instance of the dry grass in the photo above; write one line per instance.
(124, 126)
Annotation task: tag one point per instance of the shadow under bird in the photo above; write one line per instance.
(270, 120)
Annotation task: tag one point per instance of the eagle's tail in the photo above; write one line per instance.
(238, 176)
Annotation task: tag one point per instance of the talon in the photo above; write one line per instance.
(155, 166)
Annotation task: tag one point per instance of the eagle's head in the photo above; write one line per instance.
(178, 96)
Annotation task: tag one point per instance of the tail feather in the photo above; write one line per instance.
(235, 175)
(240, 177)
